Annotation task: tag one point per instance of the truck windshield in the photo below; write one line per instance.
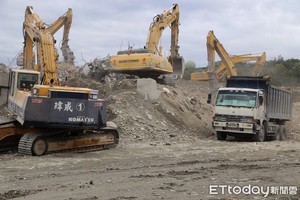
(236, 98)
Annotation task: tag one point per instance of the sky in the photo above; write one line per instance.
(101, 28)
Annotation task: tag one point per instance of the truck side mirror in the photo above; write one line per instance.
(209, 98)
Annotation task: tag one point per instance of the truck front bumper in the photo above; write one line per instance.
(234, 127)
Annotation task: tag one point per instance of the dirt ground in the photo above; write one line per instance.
(182, 170)
(167, 151)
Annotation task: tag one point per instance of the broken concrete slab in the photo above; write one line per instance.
(148, 88)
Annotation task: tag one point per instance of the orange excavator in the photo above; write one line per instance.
(46, 116)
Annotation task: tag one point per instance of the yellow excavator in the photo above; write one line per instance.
(221, 70)
(149, 61)
(48, 117)
(213, 45)
(63, 21)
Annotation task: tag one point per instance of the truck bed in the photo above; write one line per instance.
(279, 104)
(279, 101)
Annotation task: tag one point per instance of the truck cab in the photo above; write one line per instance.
(250, 107)
(237, 111)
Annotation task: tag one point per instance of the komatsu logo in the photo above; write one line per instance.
(81, 119)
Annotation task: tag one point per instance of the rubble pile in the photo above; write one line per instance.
(179, 114)
(4, 68)
(175, 116)
(98, 68)
(4, 112)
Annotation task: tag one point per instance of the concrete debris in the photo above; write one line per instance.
(4, 76)
(147, 87)
(98, 68)
(149, 116)
(4, 68)
(166, 90)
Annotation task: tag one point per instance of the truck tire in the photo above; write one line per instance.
(282, 133)
(267, 136)
(221, 135)
(261, 134)
(277, 133)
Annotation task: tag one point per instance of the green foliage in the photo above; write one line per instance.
(190, 64)
(190, 67)
(282, 72)
(187, 73)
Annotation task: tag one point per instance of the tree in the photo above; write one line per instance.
(190, 64)
(190, 67)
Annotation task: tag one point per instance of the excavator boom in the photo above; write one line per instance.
(221, 72)
(40, 36)
(259, 65)
(160, 22)
(227, 66)
(213, 45)
(66, 21)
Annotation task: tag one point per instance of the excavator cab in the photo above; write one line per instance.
(22, 80)
(26, 81)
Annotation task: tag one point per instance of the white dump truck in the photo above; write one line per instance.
(251, 107)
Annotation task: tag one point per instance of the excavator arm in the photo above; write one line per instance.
(66, 21)
(170, 18)
(259, 64)
(213, 45)
(210, 45)
(227, 66)
(160, 22)
(39, 43)
(260, 60)
(30, 36)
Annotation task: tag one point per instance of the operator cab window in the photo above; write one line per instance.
(27, 81)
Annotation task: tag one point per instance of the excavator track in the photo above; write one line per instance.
(10, 134)
(25, 143)
(38, 144)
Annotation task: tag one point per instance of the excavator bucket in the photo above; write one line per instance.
(178, 65)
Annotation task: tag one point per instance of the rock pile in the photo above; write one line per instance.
(179, 113)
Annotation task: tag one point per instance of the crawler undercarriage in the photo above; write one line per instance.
(33, 141)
